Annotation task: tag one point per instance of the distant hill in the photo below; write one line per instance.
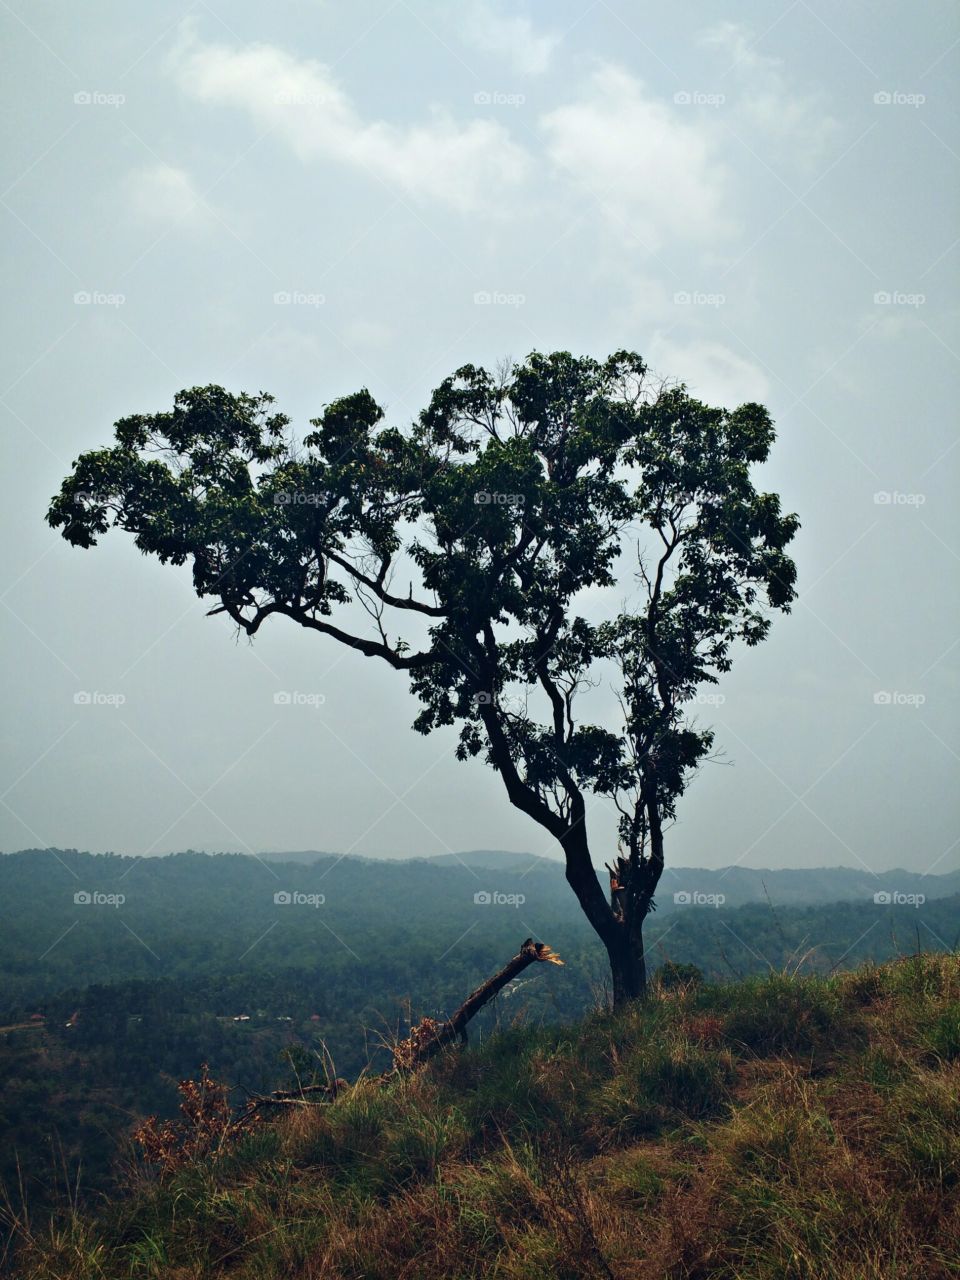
(478, 859)
(439, 880)
(497, 860)
(70, 919)
(787, 887)
(740, 885)
(305, 856)
(737, 884)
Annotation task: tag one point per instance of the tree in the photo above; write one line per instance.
(459, 551)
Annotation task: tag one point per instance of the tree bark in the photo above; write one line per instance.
(633, 882)
(628, 969)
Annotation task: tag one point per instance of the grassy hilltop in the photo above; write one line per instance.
(780, 1128)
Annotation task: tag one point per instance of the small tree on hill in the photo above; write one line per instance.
(460, 552)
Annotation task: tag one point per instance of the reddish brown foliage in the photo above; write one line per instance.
(206, 1127)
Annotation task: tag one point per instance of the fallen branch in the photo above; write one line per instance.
(258, 1102)
(426, 1039)
(429, 1037)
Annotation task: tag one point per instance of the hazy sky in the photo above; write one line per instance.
(309, 198)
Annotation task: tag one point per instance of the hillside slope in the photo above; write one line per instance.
(775, 1129)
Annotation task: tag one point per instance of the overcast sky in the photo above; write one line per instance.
(310, 198)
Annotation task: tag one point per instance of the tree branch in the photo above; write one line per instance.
(428, 1037)
(376, 586)
(369, 648)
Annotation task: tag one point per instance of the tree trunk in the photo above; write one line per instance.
(628, 968)
(633, 882)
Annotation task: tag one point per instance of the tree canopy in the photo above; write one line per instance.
(464, 549)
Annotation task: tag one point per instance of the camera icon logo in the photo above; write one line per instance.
(682, 898)
(82, 897)
(282, 898)
(882, 898)
(482, 898)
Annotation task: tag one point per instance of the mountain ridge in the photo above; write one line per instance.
(737, 884)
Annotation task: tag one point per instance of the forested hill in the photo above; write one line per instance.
(70, 919)
(739, 885)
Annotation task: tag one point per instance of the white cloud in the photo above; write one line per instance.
(653, 173)
(162, 193)
(512, 37)
(713, 373)
(298, 99)
(768, 105)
